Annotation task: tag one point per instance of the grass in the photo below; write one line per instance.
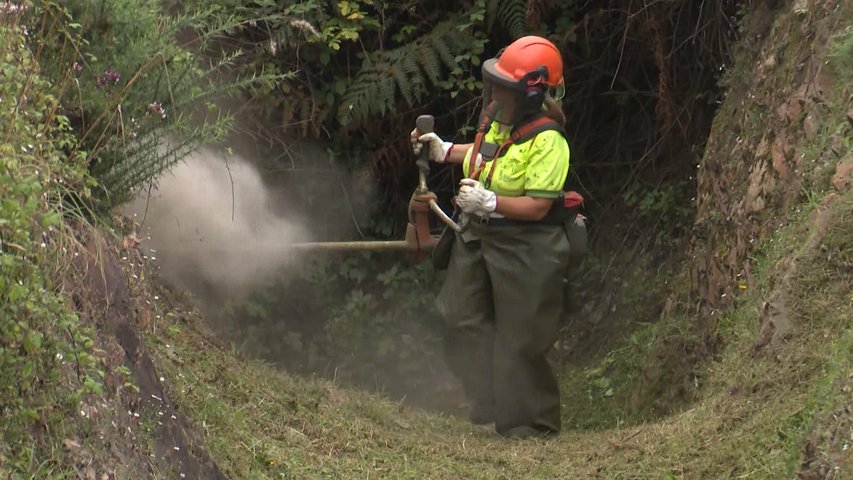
(754, 416)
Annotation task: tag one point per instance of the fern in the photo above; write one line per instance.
(430, 63)
(509, 14)
(403, 73)
(402, 76)
(537, 10)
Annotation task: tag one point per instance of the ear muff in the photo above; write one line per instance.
(535, 87)
(534, 96)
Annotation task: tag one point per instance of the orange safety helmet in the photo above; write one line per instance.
(529, 66)
(525, 62)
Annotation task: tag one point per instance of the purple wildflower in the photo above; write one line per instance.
(157, 109)
(110, 77)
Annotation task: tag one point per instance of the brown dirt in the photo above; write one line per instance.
(747, 183)
(142, 434)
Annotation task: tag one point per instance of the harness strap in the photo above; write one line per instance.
(527, 131)
(520, 134)
(486, 122)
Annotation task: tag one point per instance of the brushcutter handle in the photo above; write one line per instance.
(423, 199)
(424, 124)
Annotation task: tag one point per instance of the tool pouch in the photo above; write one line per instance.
(444, 246)
(575, 227)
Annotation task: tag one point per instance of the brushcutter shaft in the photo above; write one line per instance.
(418, 239)
(356, 246)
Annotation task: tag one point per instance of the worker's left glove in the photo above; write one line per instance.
(438, 149)
(474, 199)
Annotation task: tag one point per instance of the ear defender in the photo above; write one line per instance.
(535, 84)
(534, 96)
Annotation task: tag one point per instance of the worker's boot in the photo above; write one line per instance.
(481, 415)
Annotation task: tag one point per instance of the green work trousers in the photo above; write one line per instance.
(502, 300)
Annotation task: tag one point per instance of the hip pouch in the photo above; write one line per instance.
(441, 250)
(574, 225)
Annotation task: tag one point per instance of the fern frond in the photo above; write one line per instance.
(402, 76)
(430, 63)
(512, 16)
(444, 49)
(537, 10)
(386, 92)
(404, 72)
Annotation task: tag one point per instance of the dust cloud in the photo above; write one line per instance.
(223, 230)
(212, 226)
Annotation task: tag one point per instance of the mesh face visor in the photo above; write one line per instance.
(538, 78)
(492, 77)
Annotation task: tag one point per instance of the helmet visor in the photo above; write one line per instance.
(494, 75)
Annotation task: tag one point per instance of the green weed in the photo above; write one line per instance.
(46, 355)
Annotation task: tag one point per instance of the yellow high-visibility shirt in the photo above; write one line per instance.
(535, 168)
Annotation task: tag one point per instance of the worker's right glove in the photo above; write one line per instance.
(475, 199)
(438, 149)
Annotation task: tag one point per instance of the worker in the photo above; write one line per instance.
(502, 297)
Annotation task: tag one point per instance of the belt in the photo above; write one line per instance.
(555, 216)
(511, 222)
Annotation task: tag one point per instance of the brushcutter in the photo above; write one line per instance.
(418, 240)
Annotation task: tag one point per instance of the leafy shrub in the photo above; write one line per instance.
(662, 207)
(41, 340)
(139, 98)
(841, 56)
(354, 64)
(96, 98)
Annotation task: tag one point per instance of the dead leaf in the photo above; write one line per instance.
(89, 474)
(402, 424)
(130, 242)
(144, 318)
(71, 445)
(335, 396)
(843, 177)
(810, 126)
(780, 157)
